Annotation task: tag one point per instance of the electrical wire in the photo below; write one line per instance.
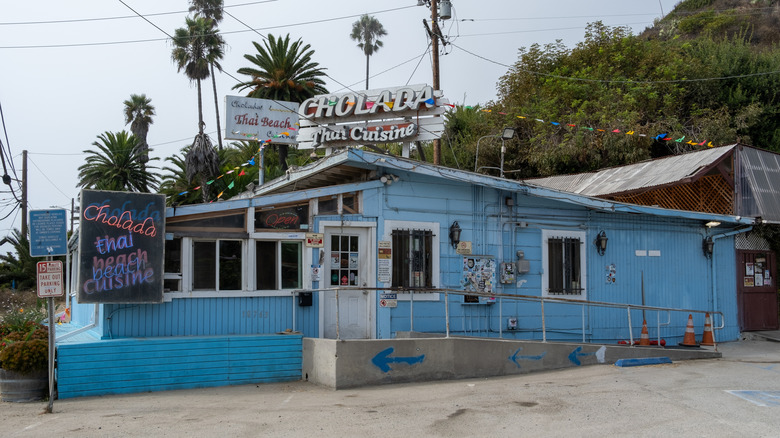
(106, 43)
(47, 178)
(83, 20)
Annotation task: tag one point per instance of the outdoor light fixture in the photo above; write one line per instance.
(455, 234)
(601, 242)
(389, 179)
(507, 134)
(708, 245)
(711, 224)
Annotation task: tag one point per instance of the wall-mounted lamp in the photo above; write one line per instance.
(711, 224)
(389, 179)
(455, 234)
(601, 242)
(708, 245)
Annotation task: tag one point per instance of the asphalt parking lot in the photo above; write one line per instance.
(737, 395)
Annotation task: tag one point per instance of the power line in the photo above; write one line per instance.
(107, 43)
(47, 178)
(83, 20)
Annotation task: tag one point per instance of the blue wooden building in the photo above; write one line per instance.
(363, 245)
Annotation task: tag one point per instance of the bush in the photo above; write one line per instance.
(24, 347)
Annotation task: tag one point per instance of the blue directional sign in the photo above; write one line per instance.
(48, 233)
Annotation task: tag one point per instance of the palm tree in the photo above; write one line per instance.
(19, 269)
(212, 10)
(116, 165)
(366, 31)
(196, 47)
(208, 9)
(138, 113)
(285, 72)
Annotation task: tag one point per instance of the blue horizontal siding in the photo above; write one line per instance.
(156, 364)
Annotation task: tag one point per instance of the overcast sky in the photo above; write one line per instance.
(67, 66)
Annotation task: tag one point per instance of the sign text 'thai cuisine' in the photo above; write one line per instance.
(386, 104)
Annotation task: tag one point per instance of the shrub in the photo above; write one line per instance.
(24, 344)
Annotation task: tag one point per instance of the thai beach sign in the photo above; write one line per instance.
(261, 119)
(389, 115)
(121, 244)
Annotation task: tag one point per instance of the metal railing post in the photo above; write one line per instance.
(500, 318)
(544, 324)
(447, 313)
(294, 294)
(338, 323)
(630, 331)
(411, 310)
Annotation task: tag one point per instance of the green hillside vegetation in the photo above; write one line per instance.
(708, 72)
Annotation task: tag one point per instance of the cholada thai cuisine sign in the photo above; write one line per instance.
(253, 119)
(401, 114)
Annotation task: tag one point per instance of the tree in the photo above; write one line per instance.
(212, 10)
(196, 47)
(282, 71)
(366, 31)
(138, 113)
(19, 269)
(207, 9)
(116, 165)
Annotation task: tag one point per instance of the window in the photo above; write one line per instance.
(412, 258)
(346, 203)
(172, 263)
(345, 260)
(293, 217)
(563, 256)
(216, 263)
(277, 261)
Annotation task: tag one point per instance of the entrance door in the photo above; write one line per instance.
(756, 290)
(348, 266)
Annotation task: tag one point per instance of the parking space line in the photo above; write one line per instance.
(760, 398)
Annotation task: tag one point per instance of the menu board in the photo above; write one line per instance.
(121, 245)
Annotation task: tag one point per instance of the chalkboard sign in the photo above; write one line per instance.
(121, 247)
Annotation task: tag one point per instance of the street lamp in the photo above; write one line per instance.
(507, 134)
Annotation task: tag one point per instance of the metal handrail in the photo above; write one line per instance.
(541, 300)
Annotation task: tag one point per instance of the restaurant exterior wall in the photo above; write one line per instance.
(663, 256)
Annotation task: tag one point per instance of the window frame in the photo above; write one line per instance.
(436, 232)
(564, 234)
(217, 247)
(279, 289)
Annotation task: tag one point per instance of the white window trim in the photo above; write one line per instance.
(248, 271)
(435, 229)
(546, 234)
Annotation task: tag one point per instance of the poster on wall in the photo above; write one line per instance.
(479, 274)
(121, 243)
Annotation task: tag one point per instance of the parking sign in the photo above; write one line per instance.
(50, 279)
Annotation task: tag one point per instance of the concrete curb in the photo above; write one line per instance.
(642, 361)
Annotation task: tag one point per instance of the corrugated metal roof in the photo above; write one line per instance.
(651, 173)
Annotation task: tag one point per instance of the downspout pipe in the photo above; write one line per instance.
(713, 264)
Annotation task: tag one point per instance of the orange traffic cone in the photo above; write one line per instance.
(707, 338)
(690, 337)
(644, 339)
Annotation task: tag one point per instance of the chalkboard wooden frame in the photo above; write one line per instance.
(121, 247)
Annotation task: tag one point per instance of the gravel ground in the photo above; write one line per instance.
(689, 398)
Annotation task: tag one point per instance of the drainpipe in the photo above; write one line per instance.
(712, 263)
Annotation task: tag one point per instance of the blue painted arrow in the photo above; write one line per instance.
(514, 358)
(575, 355)
(382, 360)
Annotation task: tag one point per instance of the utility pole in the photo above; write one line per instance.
(436, 85)
(24, 193)
(435, 33)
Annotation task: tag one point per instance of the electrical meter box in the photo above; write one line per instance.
(507, 273)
